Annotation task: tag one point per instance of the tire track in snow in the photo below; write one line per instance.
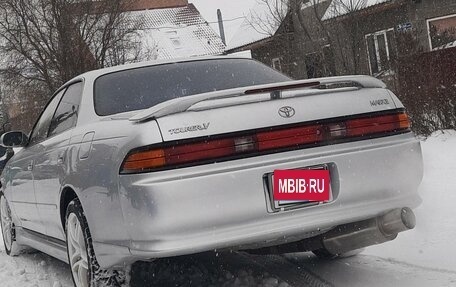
(410, 265)
(278, 266)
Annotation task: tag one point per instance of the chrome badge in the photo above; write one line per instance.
(194, 128)
(287, 112)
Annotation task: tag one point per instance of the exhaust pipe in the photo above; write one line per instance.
(351, 236)
(377, 230)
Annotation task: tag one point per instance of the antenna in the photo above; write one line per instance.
(222, 29)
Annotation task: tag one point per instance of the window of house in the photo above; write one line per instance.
(320, 64)
(329, 63)
(380, 50)
(276, 64)
(314, 65)
(175, 39)
(442, 32)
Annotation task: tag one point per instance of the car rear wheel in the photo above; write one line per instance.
(8, 229)
(85, 270)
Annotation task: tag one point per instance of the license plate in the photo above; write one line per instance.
(299, 187)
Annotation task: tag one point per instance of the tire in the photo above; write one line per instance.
(84, 267)
(323, 253)
(8, 228)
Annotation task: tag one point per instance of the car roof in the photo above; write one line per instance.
(92, 75)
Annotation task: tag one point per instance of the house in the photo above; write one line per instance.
(287, 45)
(336, 37)
(164, 29)
(174, 29)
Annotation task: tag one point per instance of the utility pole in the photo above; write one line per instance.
(222, 29)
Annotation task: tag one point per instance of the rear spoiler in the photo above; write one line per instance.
(181, 105)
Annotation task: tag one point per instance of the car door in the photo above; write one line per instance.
(21, 171)
(52, 165)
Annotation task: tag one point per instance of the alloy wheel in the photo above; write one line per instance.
(7, 223)
(77, 251)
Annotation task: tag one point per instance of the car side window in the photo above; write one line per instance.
(41, 129)
(66, 115)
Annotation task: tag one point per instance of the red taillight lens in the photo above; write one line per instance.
(188, 153)
(289, 138)
(199, 151)
(378, 124)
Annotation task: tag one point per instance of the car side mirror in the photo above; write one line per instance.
(13, 139)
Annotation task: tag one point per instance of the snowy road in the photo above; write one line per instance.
(425, 256)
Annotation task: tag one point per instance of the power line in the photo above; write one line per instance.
(229, 20)
(187, 25)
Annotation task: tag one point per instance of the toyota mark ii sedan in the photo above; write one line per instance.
(160, 159)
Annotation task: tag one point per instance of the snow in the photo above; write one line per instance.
(420, 257)
(32, 270)
(258, 25)
(244, 54)
(431, 242)
(446, 46)
(233, 12)
(178, 32)
(342, 7)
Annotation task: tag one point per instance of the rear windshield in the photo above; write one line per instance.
(146, 87)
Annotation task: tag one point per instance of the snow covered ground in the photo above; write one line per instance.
(33, 270)
(432, 242)
(424, 256)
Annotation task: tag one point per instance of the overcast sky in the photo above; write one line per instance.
(230, 9)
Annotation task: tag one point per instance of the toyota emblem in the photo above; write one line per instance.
(287, 112)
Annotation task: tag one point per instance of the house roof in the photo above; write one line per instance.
(261, 25)
(343, 7)
(258, 26)
(177, 32)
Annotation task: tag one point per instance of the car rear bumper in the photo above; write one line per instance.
(225, 205)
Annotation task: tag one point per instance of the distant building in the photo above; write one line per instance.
(175, 29)
(367, 37)
(168, 29)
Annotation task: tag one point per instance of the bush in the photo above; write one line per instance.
(427, 87)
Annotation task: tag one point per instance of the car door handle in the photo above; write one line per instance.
(60, 160)
(30, 166)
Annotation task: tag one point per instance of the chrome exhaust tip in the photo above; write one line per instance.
(397, 220)
(352, 236)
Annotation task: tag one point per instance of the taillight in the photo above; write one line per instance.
(289, 137)
(263, 142)
(378, 124)
(188, 153)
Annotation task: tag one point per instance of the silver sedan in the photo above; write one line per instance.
(162, 159)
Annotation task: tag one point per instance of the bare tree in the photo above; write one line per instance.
(269, 15)
(50, 41)
(44, 43)
(348, 31)
(312, 30)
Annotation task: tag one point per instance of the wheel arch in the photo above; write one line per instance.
(66, 196)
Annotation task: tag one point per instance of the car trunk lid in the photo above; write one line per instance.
(259, 111)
